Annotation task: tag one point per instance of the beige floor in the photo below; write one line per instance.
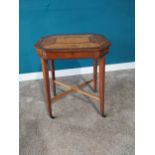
(78, 129)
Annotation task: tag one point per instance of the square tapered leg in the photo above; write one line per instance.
(95, 74)
(47, 86)
(101, 83)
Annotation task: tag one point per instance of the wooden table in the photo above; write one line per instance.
(73, 47)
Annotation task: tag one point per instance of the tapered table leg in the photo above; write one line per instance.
(95, 74)
(53, 76)
(47, 86)
(101, 85)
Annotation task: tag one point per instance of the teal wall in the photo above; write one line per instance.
(113, 18)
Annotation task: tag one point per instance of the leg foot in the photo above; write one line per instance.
(52, 117)
(103, 115)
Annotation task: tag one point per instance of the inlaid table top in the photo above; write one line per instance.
(73, 42)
